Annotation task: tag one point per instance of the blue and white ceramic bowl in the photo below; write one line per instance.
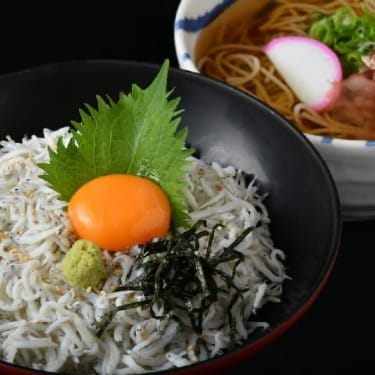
(351, 162)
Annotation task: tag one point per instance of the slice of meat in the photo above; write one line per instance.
(355, 103)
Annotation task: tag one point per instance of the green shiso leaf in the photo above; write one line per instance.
(136, 135)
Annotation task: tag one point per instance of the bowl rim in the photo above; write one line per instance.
(355, 144)
(187, 26)
(248, 349)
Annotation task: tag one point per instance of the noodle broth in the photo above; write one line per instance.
(230, 49)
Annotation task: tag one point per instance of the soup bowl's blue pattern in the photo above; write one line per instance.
(191, 18)
(350, 162)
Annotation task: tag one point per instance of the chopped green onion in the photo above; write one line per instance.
(350, 35)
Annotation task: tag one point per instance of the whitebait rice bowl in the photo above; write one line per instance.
(47, 325)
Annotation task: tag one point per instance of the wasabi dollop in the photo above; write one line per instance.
(83, 265)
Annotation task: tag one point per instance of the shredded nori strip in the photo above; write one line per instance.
(176, 275)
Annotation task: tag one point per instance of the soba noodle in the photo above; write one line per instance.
(47, 325)
(235, 56)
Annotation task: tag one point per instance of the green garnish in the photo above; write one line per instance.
(136, 135)
(176, 275)
(83, 265)
(350, 35)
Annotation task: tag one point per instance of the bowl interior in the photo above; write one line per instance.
(197, 29)
(209, 15)
(224, 125)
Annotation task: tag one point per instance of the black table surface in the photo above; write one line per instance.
(337, 333)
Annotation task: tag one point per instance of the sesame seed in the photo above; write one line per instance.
(13, 251)
(59, 290)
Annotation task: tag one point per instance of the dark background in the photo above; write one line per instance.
(35, 33)
(337, 334)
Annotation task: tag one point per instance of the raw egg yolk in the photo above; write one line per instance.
(118, 211)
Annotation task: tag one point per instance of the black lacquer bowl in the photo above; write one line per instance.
(224, 125)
